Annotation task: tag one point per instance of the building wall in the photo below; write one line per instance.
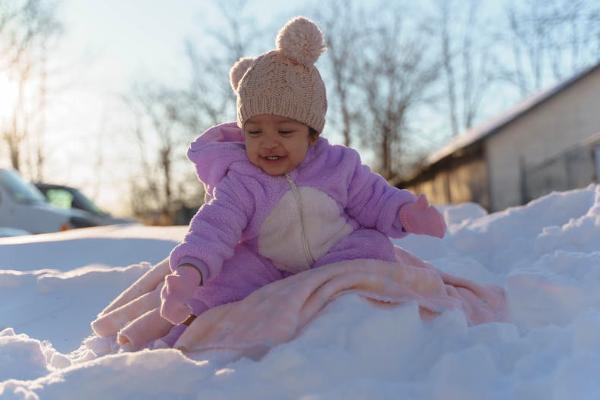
(469, 182)
(556, 126)
(574, 168)
(436, 189)
(463, 181)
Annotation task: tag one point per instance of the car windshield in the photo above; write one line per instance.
(20, 190)
(85, 203)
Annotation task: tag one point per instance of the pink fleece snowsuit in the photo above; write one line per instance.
(255, 228)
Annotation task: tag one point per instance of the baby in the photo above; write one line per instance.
(279, 198)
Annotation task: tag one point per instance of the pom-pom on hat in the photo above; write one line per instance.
(284, 81)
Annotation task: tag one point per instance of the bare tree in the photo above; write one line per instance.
(549, 40)
(156, 110)
(344, 28)
(466, 60)
(395, 73)
(447, 64)
(27, 28)
(174, 116)
(210, 96)
(575, 41)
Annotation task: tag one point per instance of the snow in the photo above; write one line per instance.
(545, 254)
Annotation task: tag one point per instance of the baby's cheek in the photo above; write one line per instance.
(251, 155)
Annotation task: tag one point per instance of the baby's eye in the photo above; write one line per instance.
(286, 133)
(253, 133)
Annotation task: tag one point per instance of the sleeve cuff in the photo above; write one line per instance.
(399, 226)
(402, 220)
(196, 263)
(197, 306)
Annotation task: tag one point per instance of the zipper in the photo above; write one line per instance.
(307, 254)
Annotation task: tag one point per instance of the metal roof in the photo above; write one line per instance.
(493, 125)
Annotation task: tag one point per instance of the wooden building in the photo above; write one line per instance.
(549, 142)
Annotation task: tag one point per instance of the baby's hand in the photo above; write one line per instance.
(422, 219)
(177, 292)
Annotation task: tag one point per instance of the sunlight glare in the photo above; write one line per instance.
(8, 97)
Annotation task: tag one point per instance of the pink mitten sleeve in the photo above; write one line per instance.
(422, 219)
(178, 290)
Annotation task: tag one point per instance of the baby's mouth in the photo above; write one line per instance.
(272, 158)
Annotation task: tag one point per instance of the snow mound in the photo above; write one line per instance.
(546, 254)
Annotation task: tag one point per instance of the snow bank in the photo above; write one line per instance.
(546, 254)
(102, 245)
(58, 306)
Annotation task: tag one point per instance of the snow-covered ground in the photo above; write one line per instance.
(546, 255)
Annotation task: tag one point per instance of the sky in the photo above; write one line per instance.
(106, 46)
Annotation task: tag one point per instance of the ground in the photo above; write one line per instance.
(545, 254)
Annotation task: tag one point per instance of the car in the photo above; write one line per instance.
(68, 197)
(24, 207)
(10, 232)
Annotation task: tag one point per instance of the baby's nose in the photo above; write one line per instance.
(269, 144)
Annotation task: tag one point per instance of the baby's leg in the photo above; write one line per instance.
(362, 243)
(241, 275)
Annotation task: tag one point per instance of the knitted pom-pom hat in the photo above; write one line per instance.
(284, 81)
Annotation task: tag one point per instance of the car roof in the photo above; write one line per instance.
(53, 186)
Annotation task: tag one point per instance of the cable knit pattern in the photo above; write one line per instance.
(284, 81)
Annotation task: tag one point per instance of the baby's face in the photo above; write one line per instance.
(276, 144)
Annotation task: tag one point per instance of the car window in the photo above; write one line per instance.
(19, 189)
(59, 198)
(83, 202)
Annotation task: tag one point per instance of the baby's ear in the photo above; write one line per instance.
(238, 70)
(313, 136)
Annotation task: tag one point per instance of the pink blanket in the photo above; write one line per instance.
(277, 312)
